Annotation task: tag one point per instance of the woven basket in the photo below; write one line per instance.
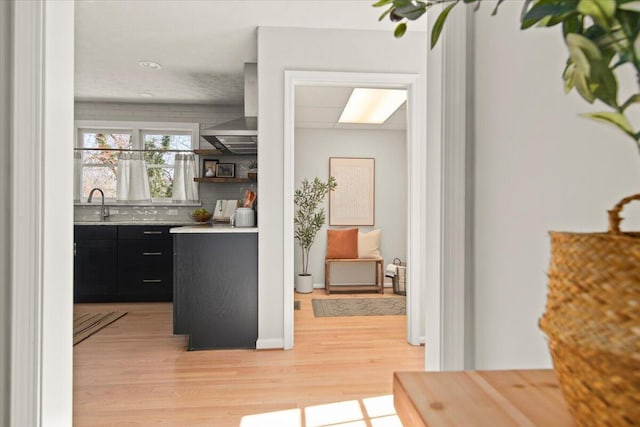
(592, 320)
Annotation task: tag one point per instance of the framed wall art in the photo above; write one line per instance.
(209, 168)
(225, 170)
(353, 200)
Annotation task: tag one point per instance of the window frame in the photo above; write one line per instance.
(137, 129)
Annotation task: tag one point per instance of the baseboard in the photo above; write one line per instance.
(269, 343)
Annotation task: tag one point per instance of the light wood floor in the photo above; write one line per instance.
(135, 372)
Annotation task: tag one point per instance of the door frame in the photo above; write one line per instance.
(416, 185)
(40, 376)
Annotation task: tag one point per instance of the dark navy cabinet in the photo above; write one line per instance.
(216, 289)
(115, 263)
(95, 264)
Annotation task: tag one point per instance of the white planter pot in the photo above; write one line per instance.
(304, 284)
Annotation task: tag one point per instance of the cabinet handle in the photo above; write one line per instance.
(152, 232)
(151, 281)
(151, 253)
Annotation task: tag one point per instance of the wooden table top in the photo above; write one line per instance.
(480, 398)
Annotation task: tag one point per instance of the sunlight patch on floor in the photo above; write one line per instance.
(369, 412)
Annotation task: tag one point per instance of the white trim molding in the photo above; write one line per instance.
(269, 343)
(416, 162)
(454, 158)
(27, 214)
(41, 214)
(448, 273)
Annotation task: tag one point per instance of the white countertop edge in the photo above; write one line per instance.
(207, 228)
(138, 222)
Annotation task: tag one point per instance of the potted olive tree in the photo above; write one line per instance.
(308, 219)
(592, 329)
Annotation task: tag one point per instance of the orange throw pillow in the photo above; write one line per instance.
(342, 243)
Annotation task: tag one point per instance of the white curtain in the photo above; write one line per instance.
(185, 170)
(77, 176)
(133, 180)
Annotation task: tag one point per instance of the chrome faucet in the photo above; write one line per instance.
(104, 210)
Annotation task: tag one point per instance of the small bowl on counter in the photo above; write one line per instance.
(201, 218)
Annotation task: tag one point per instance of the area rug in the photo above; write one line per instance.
(338, 307)
(87, 324)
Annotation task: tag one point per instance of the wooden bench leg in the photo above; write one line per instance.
(327, 279)
(380, 275)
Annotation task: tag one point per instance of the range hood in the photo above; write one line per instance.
(239, 136)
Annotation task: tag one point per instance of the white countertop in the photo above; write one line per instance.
(136, 222)
(212, 228)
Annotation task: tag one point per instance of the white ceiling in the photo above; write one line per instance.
(201, 45)
(320, 107)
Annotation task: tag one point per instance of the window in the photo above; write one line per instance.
(100, 143)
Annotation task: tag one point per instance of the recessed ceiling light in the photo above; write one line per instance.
(146, 95)
(150, 64)
(372, 106)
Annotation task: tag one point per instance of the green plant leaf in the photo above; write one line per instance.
(634, 99)
(569, 80)
(616, 119)
(401, 3)
(606, 88)
(602, 11)
(439, 24)
(495, 9)
(573, 24)
(633, 6)
(544, 10)
(411, 11)
(577, 42)
(381, 3)
(400, 30)
(582, 86)
(385, 13)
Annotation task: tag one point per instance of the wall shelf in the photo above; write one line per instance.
(212, 152)
(223, 180)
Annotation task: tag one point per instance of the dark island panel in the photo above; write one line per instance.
(216, 289)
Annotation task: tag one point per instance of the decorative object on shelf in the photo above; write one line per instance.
(253, 170)
(308, 219)
(209, 168)
(201, 215)
(353, 202)
(225, 170)
(592, 320)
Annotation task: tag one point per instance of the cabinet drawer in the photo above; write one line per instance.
(144, 253)
(144, 232)
(146, 286)
(95, 232)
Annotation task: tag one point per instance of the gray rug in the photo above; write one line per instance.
(87, 324)
(337, 307)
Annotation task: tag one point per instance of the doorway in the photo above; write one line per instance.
(322, 144)
(415, 185)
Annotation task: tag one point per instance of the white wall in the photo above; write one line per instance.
(538, 167)
(5, 197)
(314, 147)
(281, 49)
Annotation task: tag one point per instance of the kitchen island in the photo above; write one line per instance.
(216, 286)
